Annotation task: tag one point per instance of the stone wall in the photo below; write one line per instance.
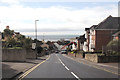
(30, 54)
(13, 55)
(91, 57)
(17, 54)
(79, 55)
(71, 54)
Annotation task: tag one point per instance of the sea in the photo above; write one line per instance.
(53, 37)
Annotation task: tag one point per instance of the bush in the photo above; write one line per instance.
(113, 47)
(27, 43)
(113, 43)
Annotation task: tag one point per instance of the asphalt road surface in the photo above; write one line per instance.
(59, 67)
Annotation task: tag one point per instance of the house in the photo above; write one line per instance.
(99, 35)
(73, 44)
(57, 46)
(80, 42)
(87, 37)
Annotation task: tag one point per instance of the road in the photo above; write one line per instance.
(60, 67)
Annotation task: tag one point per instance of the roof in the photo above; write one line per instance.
(74, 43)
(93, 26)
(72, 38)
(109, 23)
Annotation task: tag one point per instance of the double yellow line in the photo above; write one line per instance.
(30, 70)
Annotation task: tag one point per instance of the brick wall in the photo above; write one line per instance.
(102, 38)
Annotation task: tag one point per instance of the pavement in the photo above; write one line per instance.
(109, 67)
(63, 67)
(12, 69)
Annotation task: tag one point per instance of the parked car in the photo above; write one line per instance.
(63, 52)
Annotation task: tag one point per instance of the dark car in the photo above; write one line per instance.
(56, 52)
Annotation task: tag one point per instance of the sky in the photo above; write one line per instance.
(55, 17)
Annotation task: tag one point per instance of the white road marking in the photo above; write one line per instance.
(63, 64)
(75, 76)
(67, 68)
(60, 60)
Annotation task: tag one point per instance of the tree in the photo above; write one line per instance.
(8, 32)
(11, 42)
(39, 49)
(27, 42)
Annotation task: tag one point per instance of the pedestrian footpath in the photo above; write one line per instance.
(12, 69)
(108, 67)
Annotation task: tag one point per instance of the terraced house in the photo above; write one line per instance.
(100, 35)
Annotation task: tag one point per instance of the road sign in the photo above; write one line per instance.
(33, 45)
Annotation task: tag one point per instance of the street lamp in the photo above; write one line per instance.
(36, 27)
(36, 35)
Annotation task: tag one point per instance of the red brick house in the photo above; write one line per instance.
(99, 35)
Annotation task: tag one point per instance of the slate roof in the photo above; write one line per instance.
(109, 23)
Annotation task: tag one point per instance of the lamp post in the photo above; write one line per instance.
(36, 35)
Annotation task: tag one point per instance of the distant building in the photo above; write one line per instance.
(73, 44)
(99, 35)
(86, 43)
(80, 42)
